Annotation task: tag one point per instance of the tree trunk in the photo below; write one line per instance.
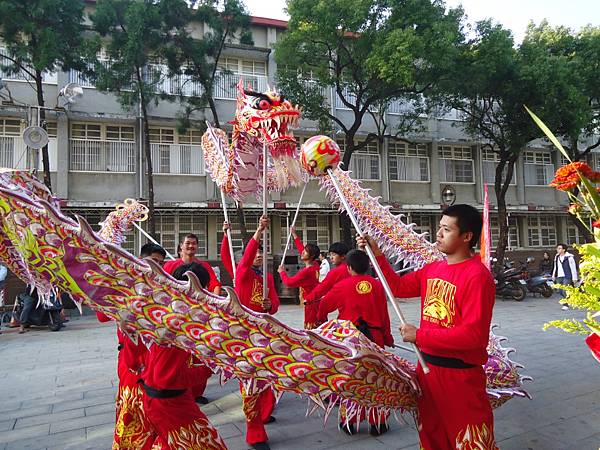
(149, 171)
(45, 156)
(501, 184)
(213, 110)
(583, 231)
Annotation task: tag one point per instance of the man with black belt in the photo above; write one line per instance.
(457, 298)
(170, 373)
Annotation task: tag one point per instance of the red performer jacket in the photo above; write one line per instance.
(456, 306)
(170, 367)
(306, 279)
(213, 283)
(334, 276)
(360, 297)
(248, 284)
(132, 357)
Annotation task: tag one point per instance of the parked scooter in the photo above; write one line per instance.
(510, 282)
(29, 311)
(537, 283)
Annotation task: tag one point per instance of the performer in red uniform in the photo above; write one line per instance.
(187, 252)
(457, 298)
(337, 253)
(175, 418)
(306, 279)
(361, 300)
(248, 285)
(132, 430)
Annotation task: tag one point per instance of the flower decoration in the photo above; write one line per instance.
(579, 181)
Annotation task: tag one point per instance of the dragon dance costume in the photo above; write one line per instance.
(132, 430)
(456, 313)
(248, 284)
(203, 372)
(305, 280)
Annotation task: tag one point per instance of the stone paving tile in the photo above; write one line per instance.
(99, 409)
(7, 425)
(24, 433)
(57, 440)
(49, 418)
(83, 422)
(63, 406)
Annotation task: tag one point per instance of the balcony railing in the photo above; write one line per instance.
(15, 155)
(102, 156)
(47, 77)
(178, 159)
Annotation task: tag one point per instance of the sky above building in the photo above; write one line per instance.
(513, 14)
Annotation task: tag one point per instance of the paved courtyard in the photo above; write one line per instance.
(57, 391)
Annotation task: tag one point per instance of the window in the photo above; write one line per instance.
(162, 135)
(574, 236)
(120, 133)
(513, 232)
(538, 167)
(408, 162)
(193, 137)
(10, 127)
(456, 164)
(541, 231)
(424, 224)
(243, 66)
(489, 162)
(364, 163)
(312, 229)
(88, 131)
(171, 227)
(595, 161)
(51, 128)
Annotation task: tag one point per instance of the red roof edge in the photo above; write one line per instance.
(269, 22)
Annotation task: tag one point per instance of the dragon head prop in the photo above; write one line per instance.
(268, 116)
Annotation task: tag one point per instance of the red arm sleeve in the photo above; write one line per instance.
(249, 254)
(297, 280)
(226, 256)
(102, 317)
(299, 245)
(406, 286)
(324, 286)
(329, 302)
(473, 331)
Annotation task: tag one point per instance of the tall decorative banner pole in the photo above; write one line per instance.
(320, 155)
(485, 240)
(287, 243)
(228, 231)
(264, 237)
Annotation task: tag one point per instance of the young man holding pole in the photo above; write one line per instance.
(248, 284)
(457, 298)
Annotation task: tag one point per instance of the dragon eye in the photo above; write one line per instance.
(264, 104)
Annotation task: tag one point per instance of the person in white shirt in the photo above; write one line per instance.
(565, 270)
(325, 267)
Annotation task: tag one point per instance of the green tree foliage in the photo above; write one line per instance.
(197, 57)
(137, 36)
(41, 36)
(490, 83)
(371, 52)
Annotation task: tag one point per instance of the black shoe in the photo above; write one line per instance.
(271, 419)
(202, 400)
(349, 430)
(379, 430)
(260, 446)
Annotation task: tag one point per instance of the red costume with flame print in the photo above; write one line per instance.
(306, 280)
(249, 287)
(456, 312)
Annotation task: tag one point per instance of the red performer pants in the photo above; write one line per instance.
(375, 418)
(178, 424)
(204, 374)
(257, 408)
(454, 410)
(132, 430)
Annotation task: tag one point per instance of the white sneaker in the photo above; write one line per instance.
(565, 307)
